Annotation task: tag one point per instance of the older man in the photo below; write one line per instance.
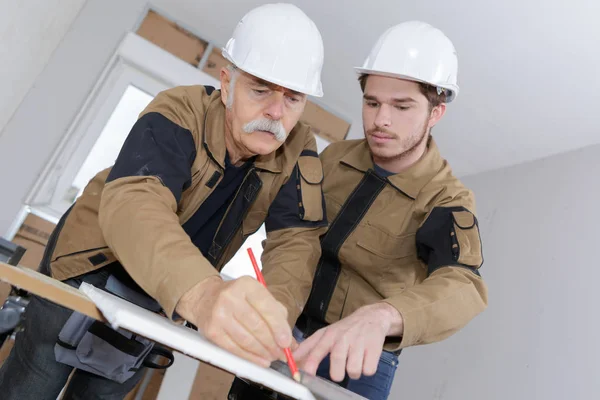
(201, 170)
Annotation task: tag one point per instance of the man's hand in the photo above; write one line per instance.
(355, 342)
(240, 316)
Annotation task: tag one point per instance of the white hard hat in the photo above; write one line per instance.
(415, 51)
(280, 44)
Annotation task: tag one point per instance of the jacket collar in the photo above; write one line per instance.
(214, 138)
(410, 181)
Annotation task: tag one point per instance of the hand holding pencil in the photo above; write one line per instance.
(240, 316)
(288, 354)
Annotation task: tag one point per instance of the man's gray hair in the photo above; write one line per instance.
(233, 75)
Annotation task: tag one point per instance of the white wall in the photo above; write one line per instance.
(29, 32)
(538, 338)
(59, 91)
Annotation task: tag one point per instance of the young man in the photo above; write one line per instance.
(399, 264)
(201, 170)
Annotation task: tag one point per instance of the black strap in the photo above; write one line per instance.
(116, 339)
(152, 360)
(328, 269)
(308, 325)
(244, 198)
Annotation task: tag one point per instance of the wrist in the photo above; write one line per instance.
(198, 294)
(394, 324)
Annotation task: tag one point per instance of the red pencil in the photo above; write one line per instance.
(288, 352)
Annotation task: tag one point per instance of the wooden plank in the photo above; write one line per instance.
(171, 37)
(50, 289)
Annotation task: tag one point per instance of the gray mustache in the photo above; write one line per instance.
(267, 125)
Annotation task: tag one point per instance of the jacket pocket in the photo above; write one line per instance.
(389, 262)
(466, 241)
(385, 245)
(309, 181)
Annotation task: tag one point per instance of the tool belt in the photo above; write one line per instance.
(95, 347)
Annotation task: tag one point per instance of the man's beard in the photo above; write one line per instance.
(409, 145)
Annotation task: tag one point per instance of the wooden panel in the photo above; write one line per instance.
(50, 289)
(325, 124)
(33, 236)
(215, 63)
(169, 36)
(211, 383)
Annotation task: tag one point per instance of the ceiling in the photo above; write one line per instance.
(529, 70)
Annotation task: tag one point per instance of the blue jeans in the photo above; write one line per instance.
(376, 387)
(31, 371)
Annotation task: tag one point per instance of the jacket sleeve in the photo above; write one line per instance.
(294, 224)
(449, 244)
(138, 209)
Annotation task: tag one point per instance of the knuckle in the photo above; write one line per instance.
(244, 281)
(211, 333)
(341, 343)
(246, 342)
(229, 296)
(222, 298)
(219, 316)
(311, 361)
(253, 323)
(283, 310)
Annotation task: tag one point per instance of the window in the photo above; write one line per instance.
(111, 139)
(138, 71)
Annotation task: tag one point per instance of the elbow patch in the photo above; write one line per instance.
(450, 237)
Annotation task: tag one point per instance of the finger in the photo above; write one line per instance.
(274, 314)
(372, 353)
(247, 316)
(294, 345)
(338, 358)
(245, 340)
(356, 355)
(307, 345)
(227, 343)
(320, 351)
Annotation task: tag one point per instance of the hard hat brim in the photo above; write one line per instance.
(452, 89)
(315, 93)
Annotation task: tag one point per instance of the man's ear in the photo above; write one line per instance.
(225, 81)
(436, 114)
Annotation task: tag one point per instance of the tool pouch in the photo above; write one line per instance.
(95, 347)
